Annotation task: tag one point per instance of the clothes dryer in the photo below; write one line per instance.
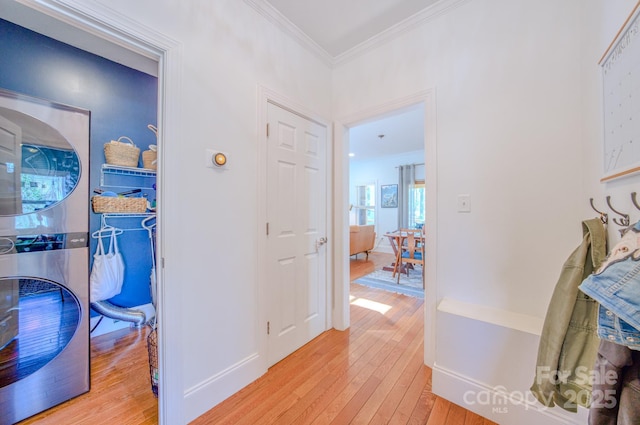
(44, 258)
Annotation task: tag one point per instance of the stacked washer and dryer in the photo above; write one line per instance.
(44, 255)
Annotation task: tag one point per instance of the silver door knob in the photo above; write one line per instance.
(320, 242)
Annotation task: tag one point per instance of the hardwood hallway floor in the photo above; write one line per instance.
(373, 373)
(120, 385)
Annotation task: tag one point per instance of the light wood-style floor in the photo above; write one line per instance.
(373, 373)
(120, 385)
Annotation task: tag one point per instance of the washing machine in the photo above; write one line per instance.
(44, 255)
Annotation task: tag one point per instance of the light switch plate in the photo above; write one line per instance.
(464, 203)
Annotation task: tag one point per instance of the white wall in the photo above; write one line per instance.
(381, 171)
(517, 129)
(507, 131)
(211, 236)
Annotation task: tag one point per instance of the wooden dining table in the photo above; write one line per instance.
(396, 240)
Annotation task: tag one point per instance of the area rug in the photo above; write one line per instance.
(381, 279)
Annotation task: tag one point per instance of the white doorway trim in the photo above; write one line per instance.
(119, 32)
(341, 189)
(266, 96)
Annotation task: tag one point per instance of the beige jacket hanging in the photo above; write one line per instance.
(569, 340)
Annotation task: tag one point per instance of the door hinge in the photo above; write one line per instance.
(267, 129)
(268, 328)
(267, 228)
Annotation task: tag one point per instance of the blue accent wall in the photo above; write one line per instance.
(122, 102)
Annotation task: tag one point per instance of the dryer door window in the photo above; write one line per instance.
(38, 319)
(38, 167)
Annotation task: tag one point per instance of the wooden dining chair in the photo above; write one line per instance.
(411, 251)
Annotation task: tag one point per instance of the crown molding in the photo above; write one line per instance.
(272, 14)
(431, 12)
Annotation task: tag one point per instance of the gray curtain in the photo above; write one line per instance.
(406, 181)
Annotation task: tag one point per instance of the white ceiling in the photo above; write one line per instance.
(402, 132)
(339, 25)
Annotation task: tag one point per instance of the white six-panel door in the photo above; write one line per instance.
(296, 241)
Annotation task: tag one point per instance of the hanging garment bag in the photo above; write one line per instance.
(107, 274)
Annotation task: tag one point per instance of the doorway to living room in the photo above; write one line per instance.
(342, 135)
(383, 200)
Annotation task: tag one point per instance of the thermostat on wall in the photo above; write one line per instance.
(216, 159)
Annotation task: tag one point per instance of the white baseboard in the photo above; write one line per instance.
(386, 248)
(215, 389)
(108, 324)
(499, 404)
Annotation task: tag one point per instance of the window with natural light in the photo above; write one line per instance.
(416, 213)
(365, 205)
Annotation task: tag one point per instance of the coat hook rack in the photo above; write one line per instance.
(604, 217)
(633, 199)
(624, 221)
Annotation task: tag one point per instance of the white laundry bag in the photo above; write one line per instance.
(107, 273)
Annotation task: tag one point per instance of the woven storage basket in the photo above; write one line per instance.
(107, 204)
(122, 153)
(149, 159)
(152, 348)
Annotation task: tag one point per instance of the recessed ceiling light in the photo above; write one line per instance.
(351, 154)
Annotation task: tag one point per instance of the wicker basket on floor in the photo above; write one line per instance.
(152, 346)
(108, 204)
